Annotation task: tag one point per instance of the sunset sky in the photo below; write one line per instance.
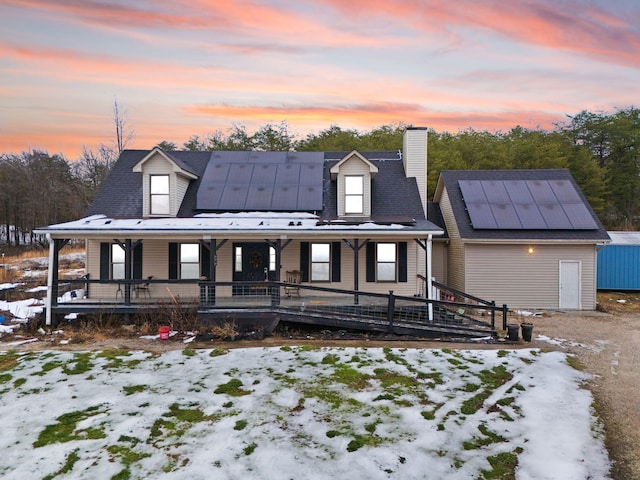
(189, 68)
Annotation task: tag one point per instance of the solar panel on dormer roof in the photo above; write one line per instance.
(262, 181)
(525, 205)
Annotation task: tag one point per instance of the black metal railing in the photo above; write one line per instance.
(379, 309)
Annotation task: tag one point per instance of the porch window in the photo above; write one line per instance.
(237, 261)
(272, 259)
(386, 259)
(320, 262)
(117, 261)
(354, 194)
(159, 201)
(189, 260)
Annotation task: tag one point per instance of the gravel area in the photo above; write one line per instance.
(608, 345)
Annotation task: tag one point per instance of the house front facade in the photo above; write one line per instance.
(169, 221)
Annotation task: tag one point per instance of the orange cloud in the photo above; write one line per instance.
(382, 113)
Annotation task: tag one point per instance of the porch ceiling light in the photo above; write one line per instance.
(531, 250)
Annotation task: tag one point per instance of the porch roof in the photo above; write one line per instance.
(291, 224)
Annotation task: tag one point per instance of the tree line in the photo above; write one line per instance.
(599, 149)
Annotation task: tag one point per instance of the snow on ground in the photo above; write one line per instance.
(281, 413)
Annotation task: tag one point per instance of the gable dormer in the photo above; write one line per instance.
(164, 183)
(353, 175)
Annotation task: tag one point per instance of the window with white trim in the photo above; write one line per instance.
(386, 262)
(189, 260)
(354, 194)
(320, 262)
(117, 261)
(237, 259)
(159, 195)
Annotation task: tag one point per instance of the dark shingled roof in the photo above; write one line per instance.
(395, 198)
(450, 178)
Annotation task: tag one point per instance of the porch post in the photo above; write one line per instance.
(52, 276)
(55, 245)
(356, 247)
(429, 285)
(127, 271)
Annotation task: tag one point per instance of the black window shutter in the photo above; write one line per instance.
(173, 261)
(104, 260)
(335, 261)
(205, 261)
(402, 261)
(371, 262)
(304, 260)
(137, 262)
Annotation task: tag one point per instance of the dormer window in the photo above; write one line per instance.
(354, 195)
(165, 181)
(353, 176)
(159, 190)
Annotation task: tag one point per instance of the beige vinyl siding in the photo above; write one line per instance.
(181, 185)
(439, 261)
(355, 166)
(455, 252)
(510, 275)
(155, 254)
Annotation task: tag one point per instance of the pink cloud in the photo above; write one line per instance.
(571, 25)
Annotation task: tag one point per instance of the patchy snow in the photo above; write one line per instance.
(22, 309)
(246, 221)
(300, 413)
(9, 286)
(41, 288)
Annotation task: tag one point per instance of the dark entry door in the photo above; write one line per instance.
(251, 264)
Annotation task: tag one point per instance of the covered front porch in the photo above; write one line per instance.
(263, 304)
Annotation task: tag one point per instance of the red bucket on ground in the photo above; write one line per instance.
(164, 332)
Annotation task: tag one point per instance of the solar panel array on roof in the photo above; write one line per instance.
(525, 205)
(262, 181)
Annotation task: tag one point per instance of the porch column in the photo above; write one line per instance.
(55, 245)
(356, 247)
(52, 276)
(208, 293)
(427, 246)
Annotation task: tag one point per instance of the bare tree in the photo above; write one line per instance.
(124, 133)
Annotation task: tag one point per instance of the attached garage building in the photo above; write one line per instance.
(525, 238)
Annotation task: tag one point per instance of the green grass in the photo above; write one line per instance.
(8, 361)
(233, 387)
(65, 430)
(131, 389)
(216, 352)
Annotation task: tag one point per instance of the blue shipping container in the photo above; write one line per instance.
(619, 262)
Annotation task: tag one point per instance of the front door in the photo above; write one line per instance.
(250, 264)
(570, 284)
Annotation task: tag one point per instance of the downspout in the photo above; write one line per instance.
(429, 285)
(49, 300)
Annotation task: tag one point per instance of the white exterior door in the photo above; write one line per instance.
(570, 284)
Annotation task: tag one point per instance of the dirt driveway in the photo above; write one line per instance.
(608, 345)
